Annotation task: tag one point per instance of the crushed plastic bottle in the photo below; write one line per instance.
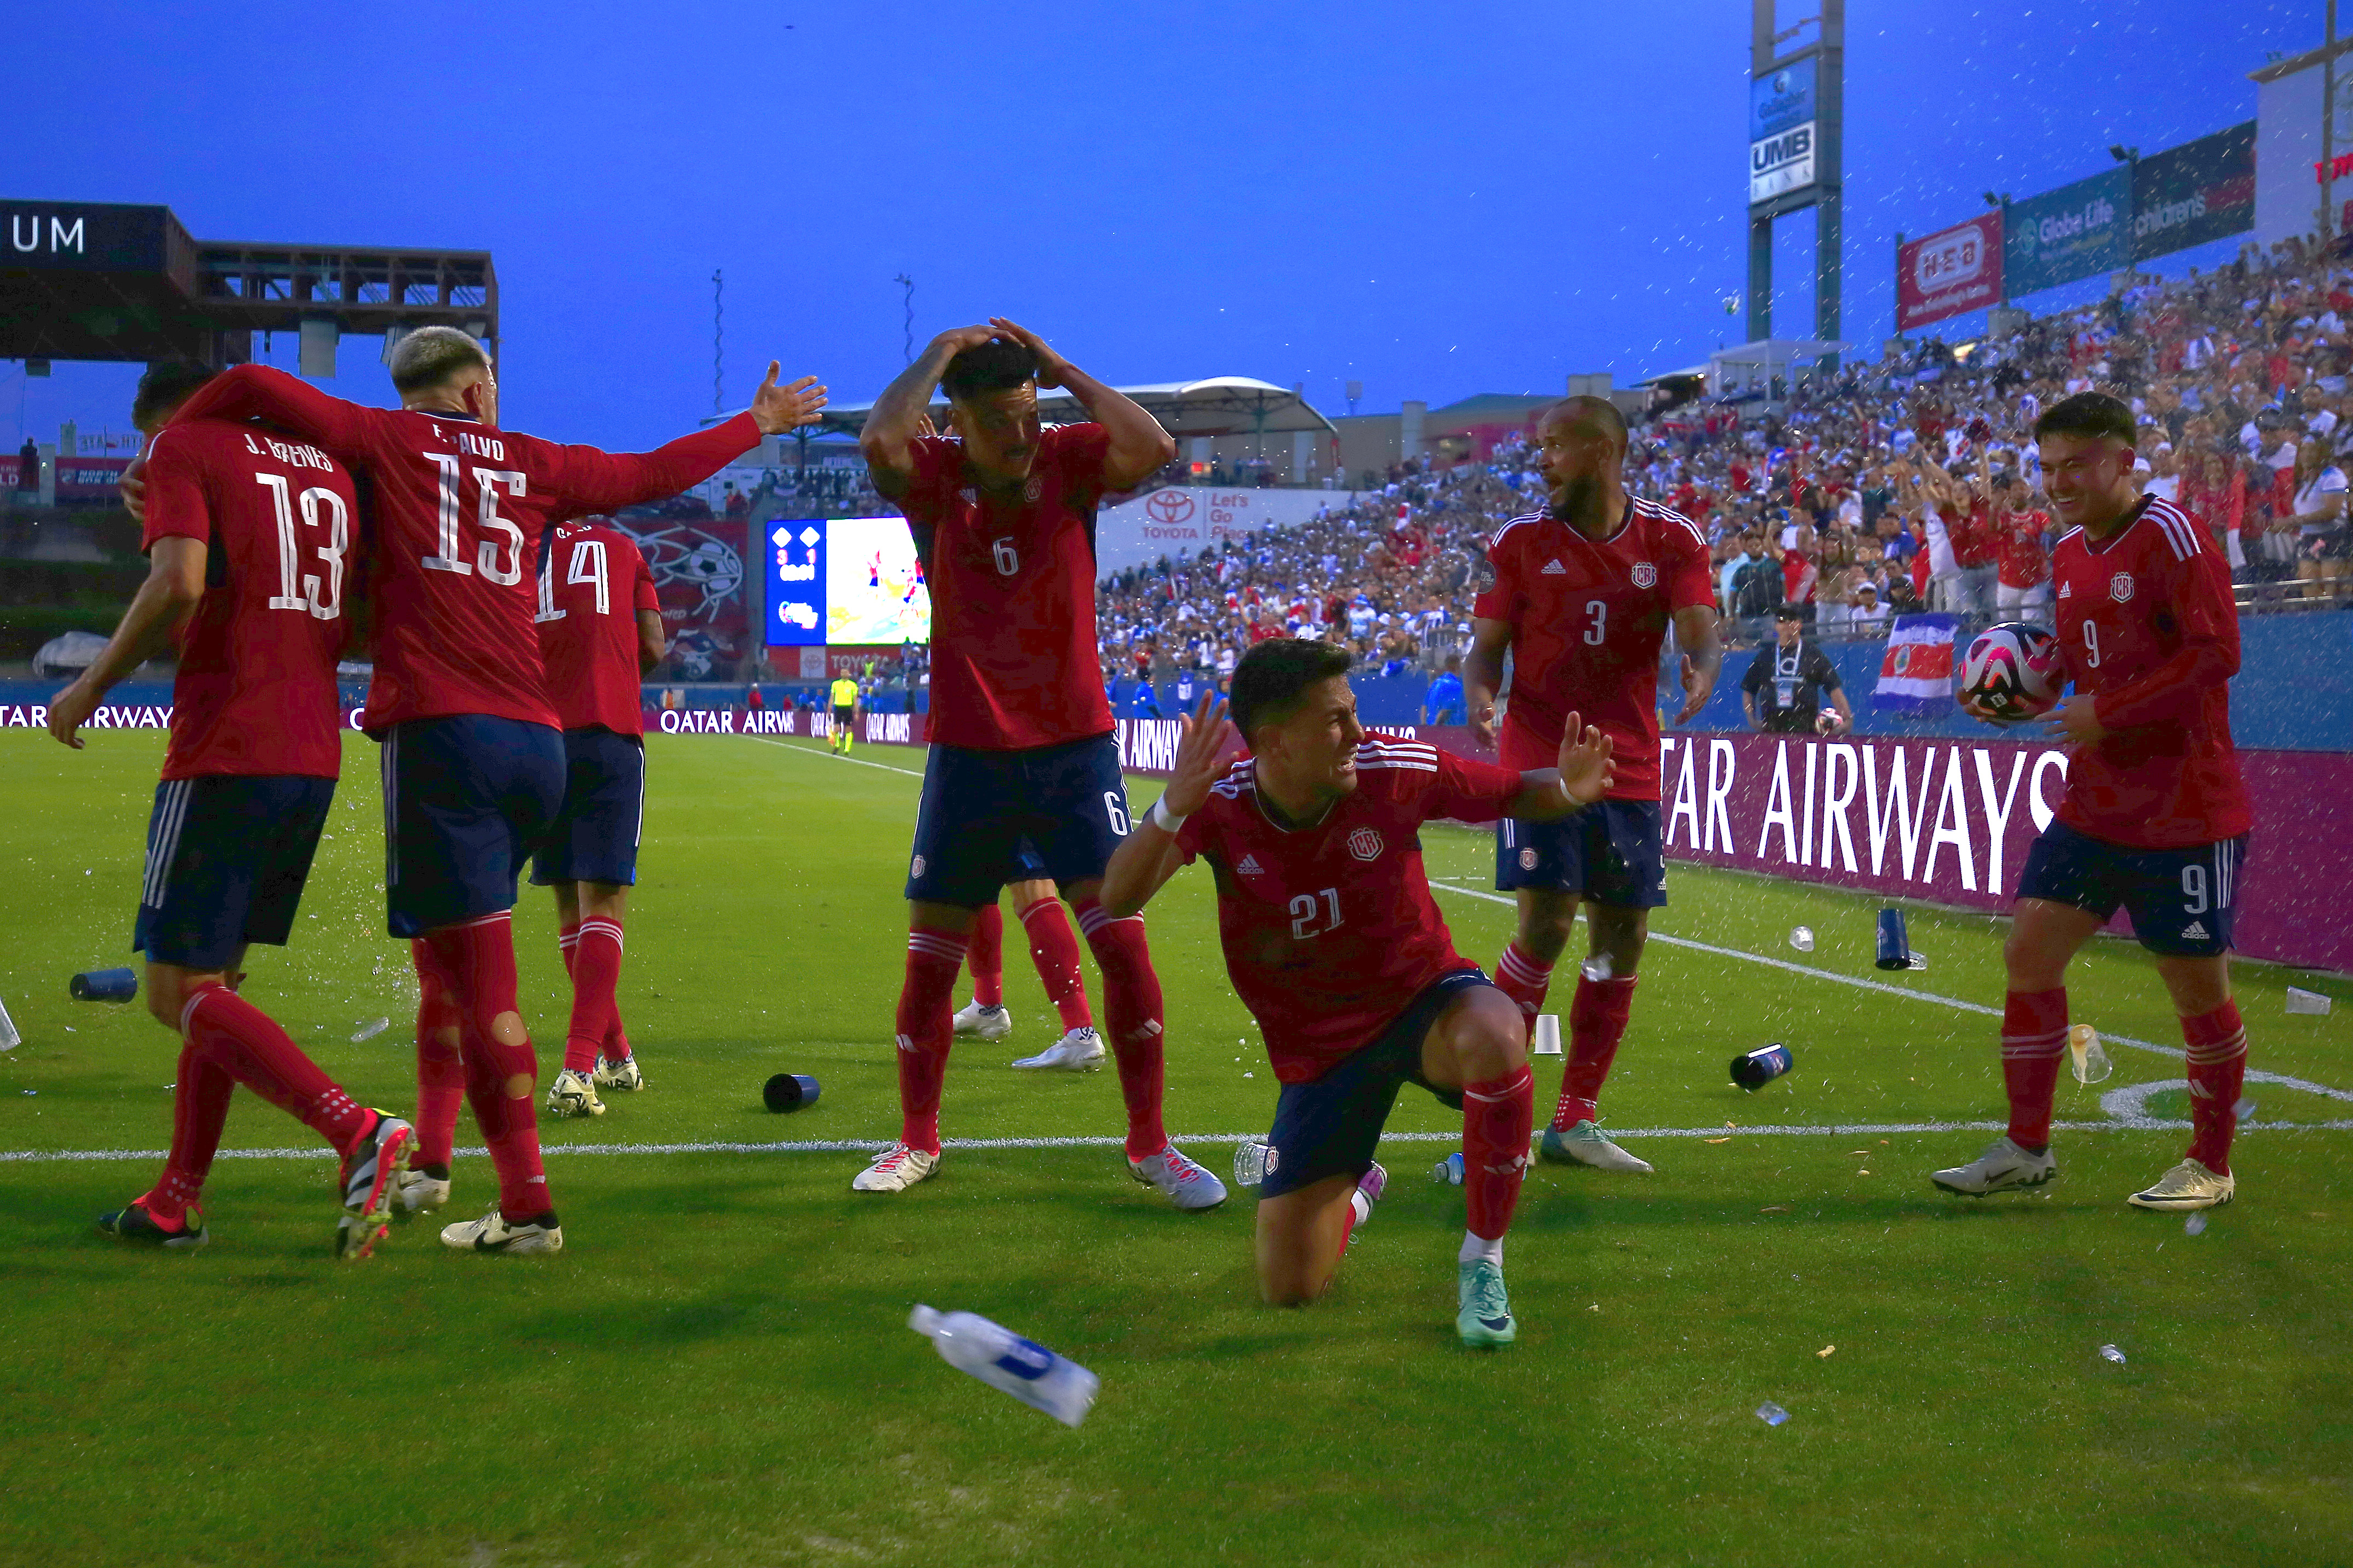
(1449, 1170)
(2194, 1225)
(1917, 961)
(2086, 1056)
(1595, 968)
(1250, 1160)
(2299, 1000)
(1004, 1361)
(9, 1038)
(1771, 1414)
(2110, 1352)
(1802, 938)
(370, 1029)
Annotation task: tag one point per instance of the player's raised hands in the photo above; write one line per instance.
(1586, 769)
(777, 409)
(1052, 367)
(1201, 755)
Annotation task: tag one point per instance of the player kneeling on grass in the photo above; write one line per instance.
(1335, 945)
(2155, 818)
(254, 604)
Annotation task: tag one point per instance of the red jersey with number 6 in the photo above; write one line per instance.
(591, 587)
(256, 690)
(1013, 594)
(1587, 619)
(458, 508)
(2148, 621)
(1329, 931)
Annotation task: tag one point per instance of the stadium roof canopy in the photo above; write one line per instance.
(1219, 405)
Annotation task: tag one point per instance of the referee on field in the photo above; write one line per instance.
(845, 714)
(1782, 692)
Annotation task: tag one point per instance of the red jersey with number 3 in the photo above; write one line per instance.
(256, 690)
(1013, 594)
(2149, 624)
(1587, 619)
(591, 588)
(1329, 931)
(458, 509)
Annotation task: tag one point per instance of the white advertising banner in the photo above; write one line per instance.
(1185, 519)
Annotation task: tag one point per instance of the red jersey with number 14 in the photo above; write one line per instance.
(1329, 931)
(255, 691)
(591, 588)
(1013, 594)
(2149, 624)
(1587, 619)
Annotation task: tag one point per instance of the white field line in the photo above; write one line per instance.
(836, 756)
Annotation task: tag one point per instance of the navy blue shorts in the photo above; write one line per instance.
(1611, 852)
(594, 838)
(1067, 801)
(1331, 1126)
(2182, 901)
(227, 859)
(1028, 866)
(466, 801)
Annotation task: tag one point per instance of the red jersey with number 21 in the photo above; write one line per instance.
(255, 691)
(1329, 931)
(591, 588)
(1587, 619)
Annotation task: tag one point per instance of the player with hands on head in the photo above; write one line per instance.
(1333, 943)
(1581, 595)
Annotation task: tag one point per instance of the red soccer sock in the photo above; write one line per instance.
(440, 1071)
(596, 977)
(480, 955)
(2033, 1039)
(1525, 980)
(1132, 1007)
(617, 1043)
(227, 1030)
(199, 1109)
(567, 938)
(2217, 1072)
(1054, 949)
(927, 1026)
(985, 956)
(1597, 1022)
(1497, 1116)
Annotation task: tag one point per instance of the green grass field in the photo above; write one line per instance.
(717, 1369)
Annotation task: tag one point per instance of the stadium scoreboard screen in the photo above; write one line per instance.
(844, 580)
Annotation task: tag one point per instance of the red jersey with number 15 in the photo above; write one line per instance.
(1587, 619)
(1329, 931)
(591, 588)
(1013, 594)
(2149, 624)
(255, 691)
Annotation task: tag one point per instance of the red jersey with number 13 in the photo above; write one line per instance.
(1013, 594)
(255, 691)
(1587, 619)
(591, 587)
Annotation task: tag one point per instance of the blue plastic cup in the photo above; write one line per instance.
(1894, 946)
(105, 985)
(1755, 1069)
(790, 1091)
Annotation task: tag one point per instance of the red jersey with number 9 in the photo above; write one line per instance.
(591, 588)
(458, 509)
(255, 691)
(1013, 594)
(2149, 626)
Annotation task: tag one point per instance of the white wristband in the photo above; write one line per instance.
(1163, 818)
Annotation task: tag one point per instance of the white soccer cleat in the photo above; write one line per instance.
(2189, 1185)
(1583, 1144)
(2002, 1167)
(492, 1232)
(421, 1193)
(989, 1023)
(1080, 1051)
(1179, 1179)
(573, 1094)
(618, 1075)
(895, 1169)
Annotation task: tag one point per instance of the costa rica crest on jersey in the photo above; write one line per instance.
(1365, 844)
(2120, 587)
(1645, 574)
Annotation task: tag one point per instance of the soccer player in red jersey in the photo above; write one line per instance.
(248, 538)
(1054, 950)
(473, 751)
(600, 630)
(2155, 818)
(1581, 594)
(1022, 741)
(1335, 946)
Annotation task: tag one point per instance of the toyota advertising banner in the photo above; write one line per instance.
(2075, 232)
(2201, 191)
(1185, 519)
(1949, 273)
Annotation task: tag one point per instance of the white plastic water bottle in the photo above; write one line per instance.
(1003, 1359)
(9, 1038)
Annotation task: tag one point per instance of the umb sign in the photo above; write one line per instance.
(1949, 273)
(1783, 130)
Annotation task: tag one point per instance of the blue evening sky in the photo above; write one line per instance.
(1434, 200)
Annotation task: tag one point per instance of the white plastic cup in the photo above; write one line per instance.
(1546, 1042)
(2302, 1001)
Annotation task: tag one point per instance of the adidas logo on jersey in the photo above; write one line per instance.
(1553, 569)
(2195, 931)
(1249, 867)
(2066, 590)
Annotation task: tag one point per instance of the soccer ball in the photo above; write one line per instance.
(2010, 674)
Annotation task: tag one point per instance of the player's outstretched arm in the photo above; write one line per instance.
(1702, 644)
(1150, 854)
(1483, 674)
(175, 581)
(902, 414)
(1139, 446)
(586, 479)
(1582, 776)
(256, 391)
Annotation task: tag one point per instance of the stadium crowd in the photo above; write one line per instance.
(1907, 483)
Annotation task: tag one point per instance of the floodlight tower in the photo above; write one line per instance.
(1796, 119)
